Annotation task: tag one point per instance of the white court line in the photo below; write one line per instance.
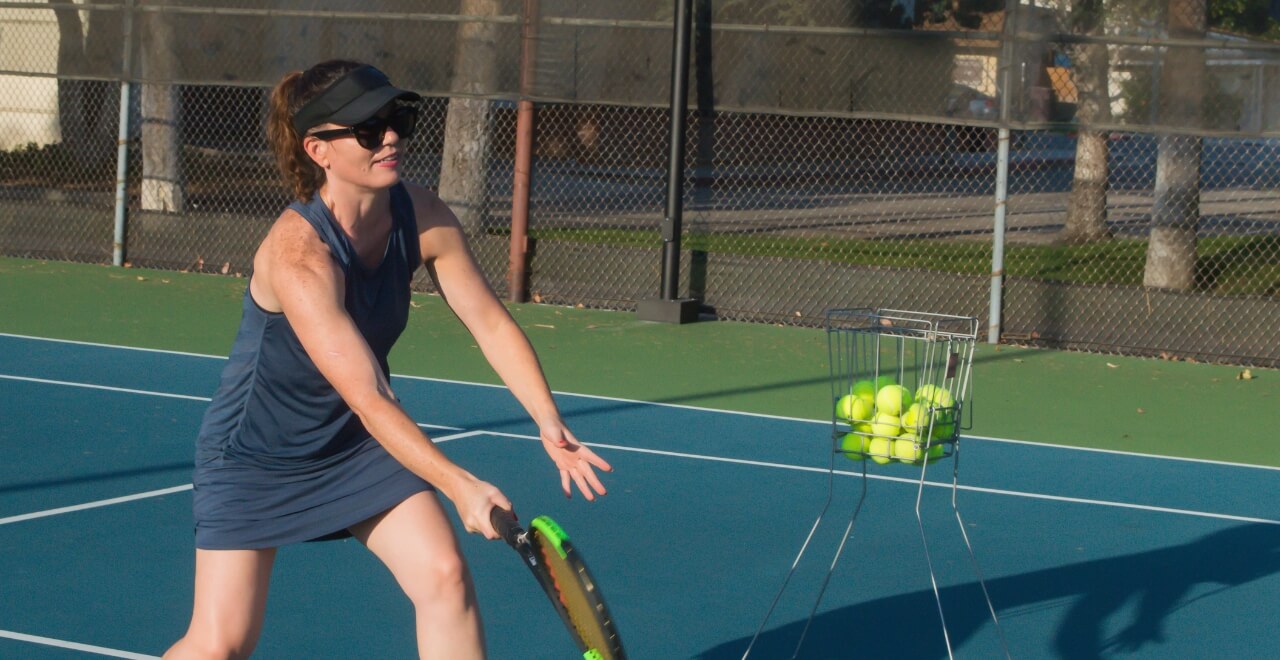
(933, 484)
(167, 395)
(75, 646)
(125, 390)
(159, 493)
(686, 407)
(94, 505)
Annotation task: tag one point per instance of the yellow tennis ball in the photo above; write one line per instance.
(915, 419)
(924, 394)
(942, 398)
(944, 425)
(935, 452)
(882, 381)
(886, 425)
(864, 388)
(906, 449)
(881, 450)
(892, 399)
(853, 446)
(854, 407)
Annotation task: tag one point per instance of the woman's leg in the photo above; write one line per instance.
(416, 542)
(231, 598)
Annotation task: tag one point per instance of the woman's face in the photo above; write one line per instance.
(368, 158)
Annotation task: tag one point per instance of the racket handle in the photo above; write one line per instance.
(505, 523)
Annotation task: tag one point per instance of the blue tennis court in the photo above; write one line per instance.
(1087, 554)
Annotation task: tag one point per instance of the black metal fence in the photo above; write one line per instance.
(839, 154)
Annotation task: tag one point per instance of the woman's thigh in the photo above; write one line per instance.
(416, 542)
(231, 595)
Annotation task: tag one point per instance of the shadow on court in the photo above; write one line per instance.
(1157, 581)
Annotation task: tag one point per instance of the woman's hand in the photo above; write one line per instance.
(475, 499)
(574, 460)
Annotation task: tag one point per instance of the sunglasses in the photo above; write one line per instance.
(371, 132)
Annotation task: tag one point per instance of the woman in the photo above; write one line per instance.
(304, 439)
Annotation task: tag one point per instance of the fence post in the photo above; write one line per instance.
(119, 252)
(517, 261)
(668, 308)
(1007, 60)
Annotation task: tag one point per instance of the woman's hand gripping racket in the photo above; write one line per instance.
(547, 552)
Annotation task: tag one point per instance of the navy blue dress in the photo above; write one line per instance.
(280, 457)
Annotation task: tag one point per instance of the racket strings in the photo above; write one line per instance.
(573, 589)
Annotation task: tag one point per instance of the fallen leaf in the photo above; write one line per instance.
(142, 279)
(537, 297)
(1018, 360)
(414, 304)
(580, 306)
(226, 267)
(1140, 411)
(1113, 366)
(1245, 375)
(543, 325)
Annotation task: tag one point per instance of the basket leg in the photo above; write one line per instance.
(973, 558)
(794, 564)
(928, 558)
(848, 533)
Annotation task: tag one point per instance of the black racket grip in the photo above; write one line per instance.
(504, 522)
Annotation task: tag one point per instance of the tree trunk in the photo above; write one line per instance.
(1171, 251)
(1175, 213)
(464, 166)
(81, 103)
(1087, 204)
(161, 149)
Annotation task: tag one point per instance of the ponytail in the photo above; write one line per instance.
(301, 174)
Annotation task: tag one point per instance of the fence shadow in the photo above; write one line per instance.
(1158, 581)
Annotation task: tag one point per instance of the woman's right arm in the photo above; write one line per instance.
(300, 279)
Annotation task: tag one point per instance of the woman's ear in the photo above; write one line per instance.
(318, 150)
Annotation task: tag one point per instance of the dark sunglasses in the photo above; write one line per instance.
(371, 132)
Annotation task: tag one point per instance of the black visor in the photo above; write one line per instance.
(354, 98)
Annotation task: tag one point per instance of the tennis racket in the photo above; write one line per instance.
(559, 569)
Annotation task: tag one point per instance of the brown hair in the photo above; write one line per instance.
(302, 175)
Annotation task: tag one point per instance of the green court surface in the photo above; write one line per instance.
(1108, 402)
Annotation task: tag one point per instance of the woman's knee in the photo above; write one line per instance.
(443, 581)
(211, 644)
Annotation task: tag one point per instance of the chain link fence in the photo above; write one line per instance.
(1120, 234)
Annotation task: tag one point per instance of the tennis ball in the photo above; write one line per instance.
(864, 388)
(944, 425)
(925, 393)
(941, 398)
(892, 399)
(916, 418)
(906, 450)
(886, 425)
(854, 446)
(881, 450)
(887, 379)
(936, 452)
(854, 407)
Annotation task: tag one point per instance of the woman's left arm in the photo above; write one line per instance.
(458, 279)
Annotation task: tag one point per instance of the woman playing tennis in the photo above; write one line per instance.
(305, 439)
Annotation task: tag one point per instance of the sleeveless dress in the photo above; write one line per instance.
(280, 457)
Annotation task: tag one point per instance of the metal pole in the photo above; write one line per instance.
(1007, 57)
(997, 244)
(675, 164)
(119, 252)
(517, 262)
